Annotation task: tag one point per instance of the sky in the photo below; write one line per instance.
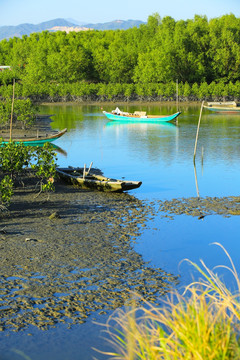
(15, 12)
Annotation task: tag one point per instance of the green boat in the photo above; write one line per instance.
(39, 140)
(139, 116)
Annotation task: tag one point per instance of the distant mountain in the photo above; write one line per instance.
(76, 22)
(7, 32)
(114, 25)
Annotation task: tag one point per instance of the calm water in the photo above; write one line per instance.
(161, 156)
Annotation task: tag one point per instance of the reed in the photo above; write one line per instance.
(202, 323)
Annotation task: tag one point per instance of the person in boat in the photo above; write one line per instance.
(117, 111)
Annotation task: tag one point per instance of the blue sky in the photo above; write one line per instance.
(15, 12)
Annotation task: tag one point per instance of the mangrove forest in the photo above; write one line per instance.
(138, 63)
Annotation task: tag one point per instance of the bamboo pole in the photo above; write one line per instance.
(12, 111)
(89, 169)
(177, 94)
(199, 120)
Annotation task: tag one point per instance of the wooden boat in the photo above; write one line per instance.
(39, 140)
(95, 180)
(230, 107)
(140, 116)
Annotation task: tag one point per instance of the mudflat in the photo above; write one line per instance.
(67, 256)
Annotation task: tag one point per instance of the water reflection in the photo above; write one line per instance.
(142, 124)
(56, 148)
(196, 180)
(59, 150)
(72, 116)
(150, 140)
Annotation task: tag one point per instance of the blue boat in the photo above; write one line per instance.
(139, 116)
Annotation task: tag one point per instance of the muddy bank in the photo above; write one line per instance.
(200, 207)
(71, 256)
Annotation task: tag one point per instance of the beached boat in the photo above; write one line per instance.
(230, 107)
(38, 140)
(140, 116)
(94, 180)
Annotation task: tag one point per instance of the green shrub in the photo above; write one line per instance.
(6, 190)
(16, 159)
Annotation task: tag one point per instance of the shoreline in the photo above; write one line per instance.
(121, 102)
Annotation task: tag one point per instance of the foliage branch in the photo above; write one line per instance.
(18, 160)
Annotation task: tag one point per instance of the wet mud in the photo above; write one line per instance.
(200, 207)
(71, 256)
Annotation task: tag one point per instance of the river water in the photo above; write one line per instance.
(161, 156)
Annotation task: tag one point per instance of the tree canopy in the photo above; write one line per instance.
(163, 50)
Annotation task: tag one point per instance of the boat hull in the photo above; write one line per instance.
(224, 110)
(95, 181)
(143, 119)
(39, 141)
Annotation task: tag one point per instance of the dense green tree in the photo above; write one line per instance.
(193, 51)
(191, 42)
(225, 47)
(156, 58)
(24, 112)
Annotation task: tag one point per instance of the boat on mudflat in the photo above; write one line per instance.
(140, 116)
(229, 107)
(38, 140)
(94, 180)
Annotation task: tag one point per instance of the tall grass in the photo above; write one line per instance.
(201, 324)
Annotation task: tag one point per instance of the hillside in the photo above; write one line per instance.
(7, 32)
(114, 25)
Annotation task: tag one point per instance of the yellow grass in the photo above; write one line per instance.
(201, 324)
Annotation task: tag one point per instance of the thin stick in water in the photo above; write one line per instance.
(84, 171)
(199, 120)
(177, 94)
(89, 169)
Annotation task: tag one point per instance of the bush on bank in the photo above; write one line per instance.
(17, 161)
(23, 114)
